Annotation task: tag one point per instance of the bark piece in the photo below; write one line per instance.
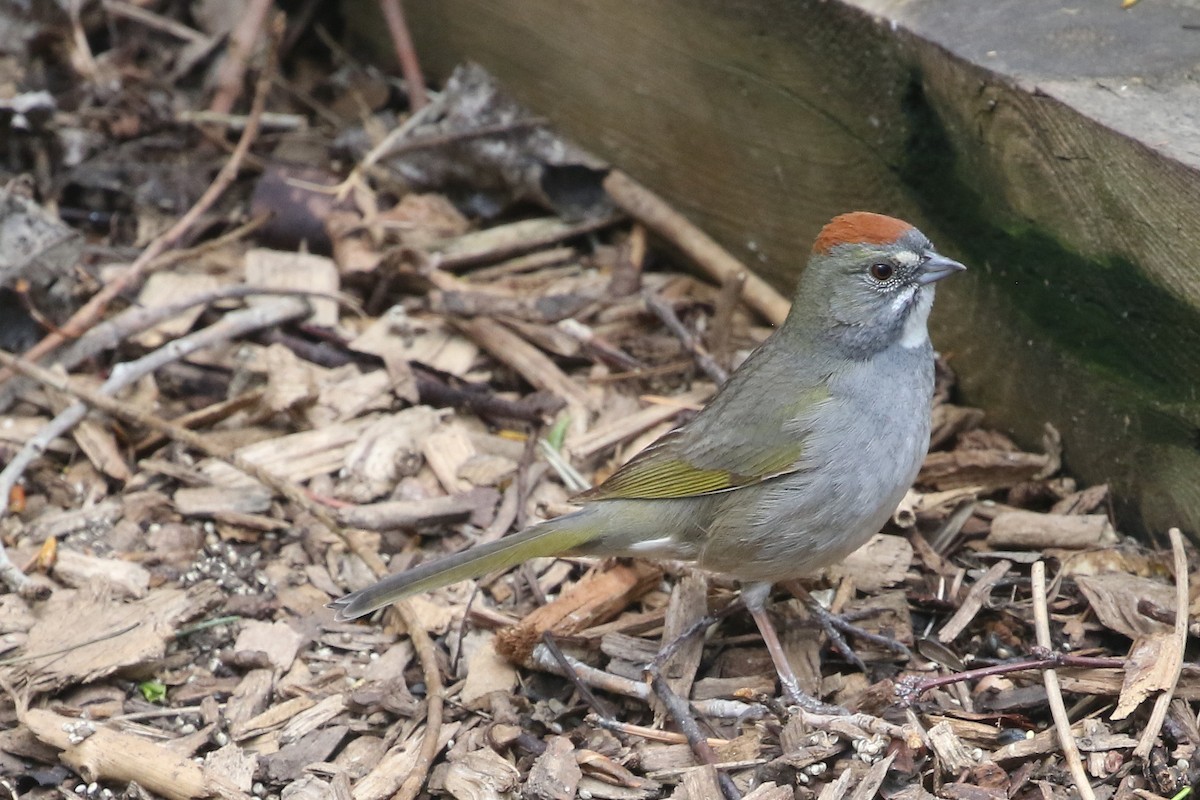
(1029, 530)
(598, 597)
(90, 636)
(276, 269)
(882, 562)
(278, 640)
(122, 578)
(555, 775)
(953, 756)
(106, 755)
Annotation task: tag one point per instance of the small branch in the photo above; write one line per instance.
(679, 711)
(654, 212)
(607, 682)
(406, 54)
(237, 56)
(1062, 723)
(908, 690)
(121, 8)
(690, 343)
(1159, 714)
(434, 702)
(598, 706)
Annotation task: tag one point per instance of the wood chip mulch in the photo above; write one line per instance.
(261, 415)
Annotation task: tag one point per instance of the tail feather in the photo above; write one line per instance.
(555, 537)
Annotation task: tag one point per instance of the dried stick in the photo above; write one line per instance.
(599, 679)
(434, 702)
(85, 317)
(654, 212)
(910, 688)
(229, 327)
(1159, 714)
(681, 712)
(237, 55)
(406, 54)
(1062, 723)
(599, 707)
(667, 316)
(120, 8)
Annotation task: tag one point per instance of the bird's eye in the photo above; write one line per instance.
(882, 271)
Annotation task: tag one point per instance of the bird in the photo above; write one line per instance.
(797, 460)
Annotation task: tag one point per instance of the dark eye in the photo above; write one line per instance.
(882, 271)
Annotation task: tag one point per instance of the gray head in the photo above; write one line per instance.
(869, 284)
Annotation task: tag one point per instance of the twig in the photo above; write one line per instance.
(237, 55)
(653, 211)
(434, 702)
(599, 707)
(607, 682)
(12, 576)
(406, 54)
(229, 327)
(120, 8)
(1062, 723)
(1159, 714)
(85, 317)
(668, 317)
(84, 61)
(679, 711)
(642, 732)
(909, 689)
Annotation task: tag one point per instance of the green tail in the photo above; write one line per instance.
(555, 537)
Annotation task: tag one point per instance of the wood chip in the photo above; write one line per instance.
(278, 640)
(487, 670)
(206, 501)
(1114, 597)
(81, 636)
(276, 269)
(987, 469)
(555, 775)
(121, 578)
(973, 602)
(870, 783)
(688, 605)
(1029, 530)
(953, 756)
(531, 363)
(882, 562)
(598, 597)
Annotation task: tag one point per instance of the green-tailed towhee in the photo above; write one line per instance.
(796, 462)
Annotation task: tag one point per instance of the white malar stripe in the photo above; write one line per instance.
(916, 332)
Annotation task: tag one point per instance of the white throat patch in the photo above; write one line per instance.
(915, 332)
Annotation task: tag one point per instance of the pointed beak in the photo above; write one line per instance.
(936, 268)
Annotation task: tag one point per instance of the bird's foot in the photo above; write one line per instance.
(793, 695)
(838, 627)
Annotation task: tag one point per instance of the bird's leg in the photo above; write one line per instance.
(755, 595)
(836, 626)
